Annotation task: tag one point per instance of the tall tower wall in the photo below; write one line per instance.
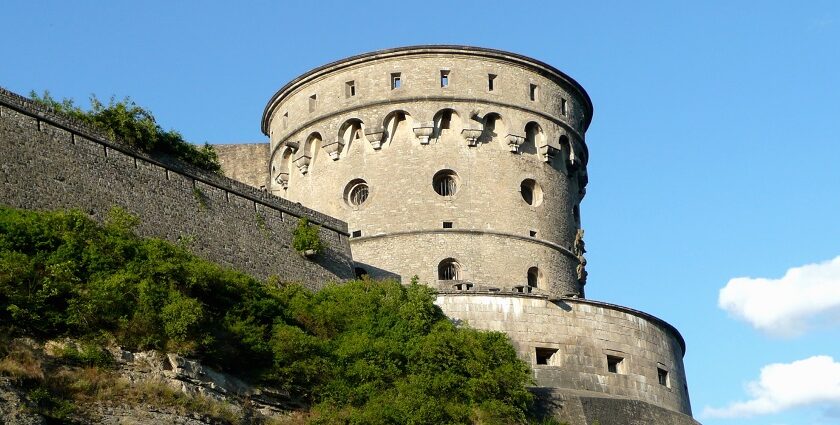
(472, 161)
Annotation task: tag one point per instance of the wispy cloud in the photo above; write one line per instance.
(787, 306)
(783, 386)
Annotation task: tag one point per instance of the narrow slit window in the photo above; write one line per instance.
(396, 80)
(313, 102)
(285, 120)
(350, 89)
(662, 375)
(563, 106)
(444, 78)
(534, 92)
(491, 78)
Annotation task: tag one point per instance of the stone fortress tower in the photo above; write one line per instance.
(466, 167)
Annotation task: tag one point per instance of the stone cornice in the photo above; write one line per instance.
(540, 67)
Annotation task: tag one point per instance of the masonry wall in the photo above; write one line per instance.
(584, 333)
(245, 162)
(51, 162)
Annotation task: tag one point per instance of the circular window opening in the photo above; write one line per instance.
(531, 192)
(445, 183)
(449, 269)
(356, 193)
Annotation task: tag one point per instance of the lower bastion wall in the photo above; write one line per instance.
(587, 347)
(49, 161)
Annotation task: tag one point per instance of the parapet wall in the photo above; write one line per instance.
(593, 348)
(49, 161)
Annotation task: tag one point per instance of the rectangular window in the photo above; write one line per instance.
(662, 374)
(313, 102)
(534, 92)
(491, 78)
(444, 78)
(447, 224)
(544, 355)
(563, 106)
(350, 89)
(357, 233)
(532, 233)
(285, 120)
(614, 364)
(396, 80)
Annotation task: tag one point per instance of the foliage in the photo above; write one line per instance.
(359, 352)
(134, 125)
(306, 237)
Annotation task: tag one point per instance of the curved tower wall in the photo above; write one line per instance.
(351, 121)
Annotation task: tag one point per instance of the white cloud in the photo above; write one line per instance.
(788, 305)
(783, 386)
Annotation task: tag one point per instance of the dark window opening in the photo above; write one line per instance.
(356, 233)
(614, 364)
(563, 106)
(285, 120)
(533, 277)
(447, 224)
(313, 101)
(544, 355)
(445, 120)
(662, 374)
(532, 233)
(534, 91)
(490, 79)
(396, 80)
(445, 183)
(361, 273)
(444, 78)
(576, 214)
(449, 269)
(350, 89)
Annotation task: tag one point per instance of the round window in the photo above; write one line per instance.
(445, 183)
(356, 193)
(531, 192)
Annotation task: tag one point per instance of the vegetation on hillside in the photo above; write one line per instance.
(359, 352)
(134, 125)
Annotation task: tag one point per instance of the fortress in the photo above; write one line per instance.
(462, 166)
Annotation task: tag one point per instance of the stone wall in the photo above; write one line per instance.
(245, 162)
(577, 337)
(49, 162)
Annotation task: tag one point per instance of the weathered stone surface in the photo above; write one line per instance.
(245, 162)
(13, 409)
(50, 162)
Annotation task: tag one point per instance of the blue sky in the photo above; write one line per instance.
(714, 146)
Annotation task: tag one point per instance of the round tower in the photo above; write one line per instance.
(464, 166)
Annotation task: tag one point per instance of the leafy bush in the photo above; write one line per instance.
(358, 352)
(306, 237)
(134, 125)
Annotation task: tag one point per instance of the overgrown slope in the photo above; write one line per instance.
(360, 352)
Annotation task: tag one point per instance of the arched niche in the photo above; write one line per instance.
(534, 138)
(398, 125)
(446, 122)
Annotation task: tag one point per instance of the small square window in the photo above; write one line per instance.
(662, 374)
(544, 355)
(313, 102)
(447, 224)
(614, 364)
(532, 233)
(444, 78)
(396, 80)
(491, 78)
(350, 89)
(357, 233)
(534, 92)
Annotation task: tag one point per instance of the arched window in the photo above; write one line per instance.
(398, 126)
(444, 121)
(534, 277)
(449, 269)
(531, 192)
(534, 138)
